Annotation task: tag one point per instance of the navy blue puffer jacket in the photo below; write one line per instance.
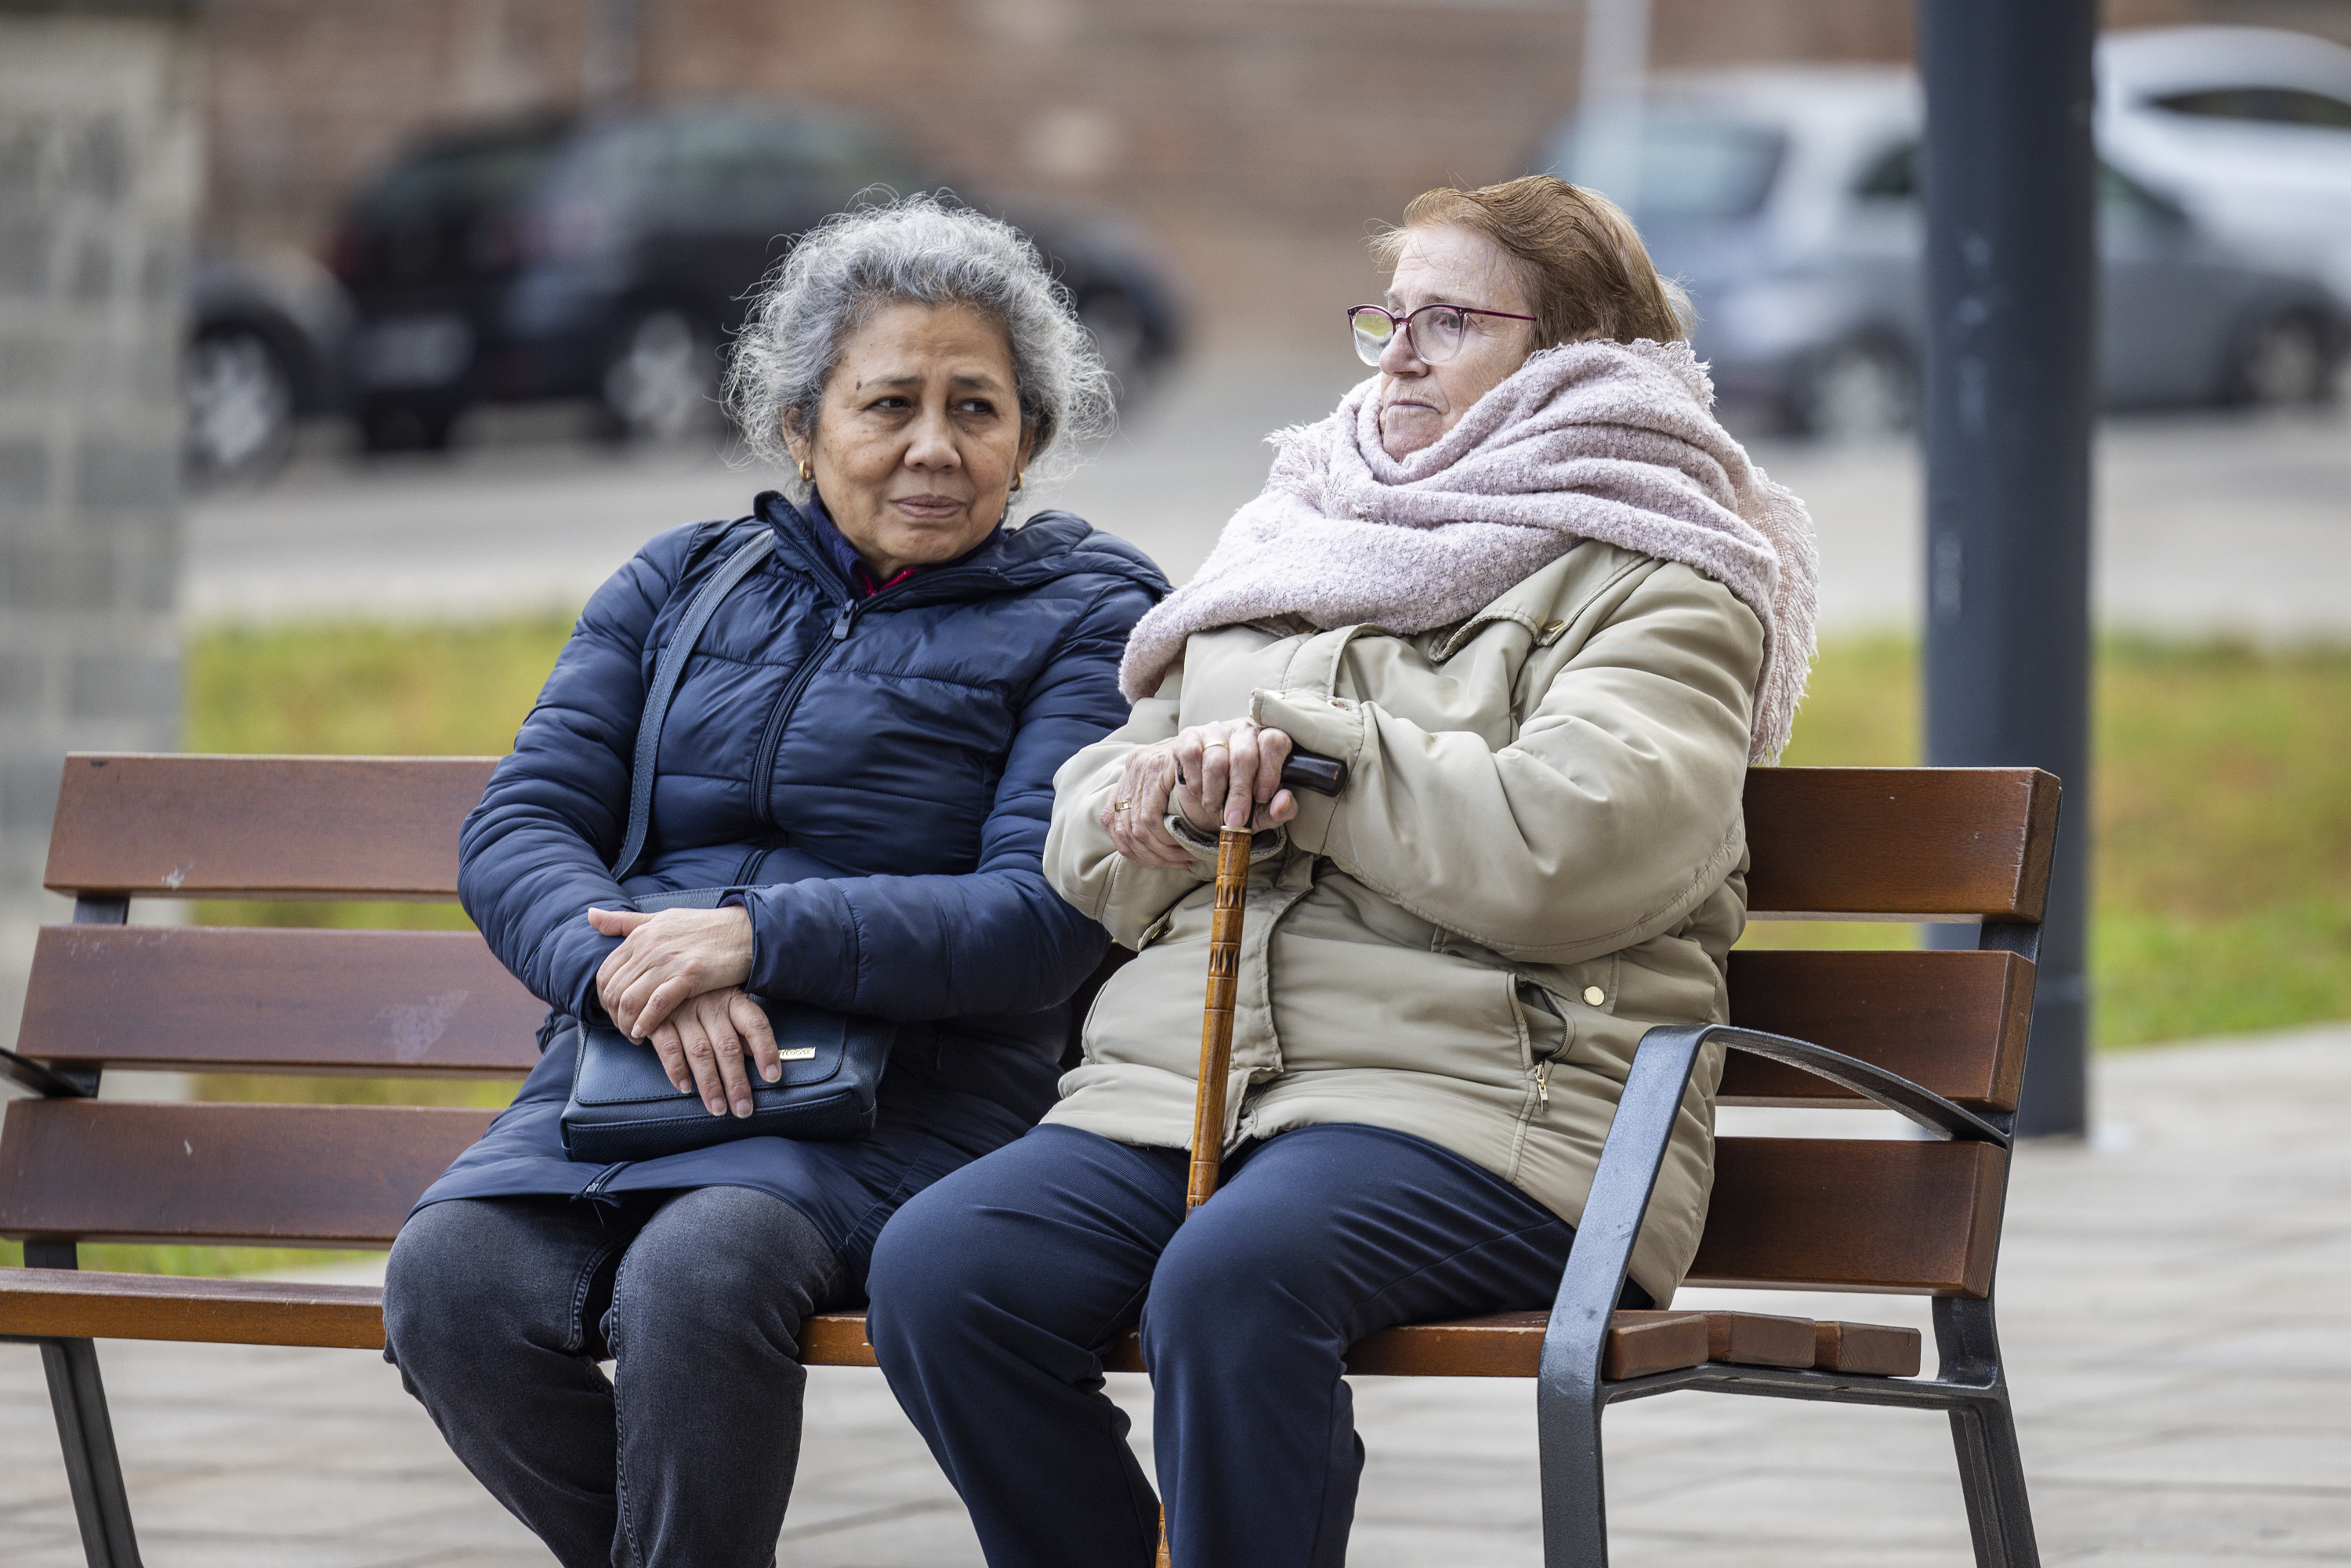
(876, 775)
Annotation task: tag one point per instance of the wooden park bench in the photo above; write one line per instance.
(1937, 1035)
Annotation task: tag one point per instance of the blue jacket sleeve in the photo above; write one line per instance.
(532, 857)
(996, 940)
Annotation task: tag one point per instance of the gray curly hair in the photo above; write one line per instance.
(917, 250)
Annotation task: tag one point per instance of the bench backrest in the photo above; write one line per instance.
(1826, 843)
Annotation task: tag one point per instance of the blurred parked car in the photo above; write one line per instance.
(265, 346)
(1787, 200)
(2247, 129)
(610, 258)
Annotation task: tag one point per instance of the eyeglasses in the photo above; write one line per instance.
(1433, 332)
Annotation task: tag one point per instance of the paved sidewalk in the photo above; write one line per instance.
(2173, 1303)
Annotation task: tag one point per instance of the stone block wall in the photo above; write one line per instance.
(100, 136)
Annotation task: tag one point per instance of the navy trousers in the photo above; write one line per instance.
(998, 1290)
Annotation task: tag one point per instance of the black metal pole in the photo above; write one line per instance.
(2010, 177)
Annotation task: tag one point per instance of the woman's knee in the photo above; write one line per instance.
(931, 1262)
(1234, 1291)
(454, 1288)
(724, 1262)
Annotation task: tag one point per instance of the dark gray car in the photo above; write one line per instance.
(1787, 201)
(609, 258)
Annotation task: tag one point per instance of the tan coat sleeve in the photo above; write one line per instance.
(1079, 859)
(1614, 812)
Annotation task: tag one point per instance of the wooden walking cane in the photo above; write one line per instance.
(1215, 1037)
(1217, 1016)
(1304, 770)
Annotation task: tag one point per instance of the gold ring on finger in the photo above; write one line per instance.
(1120, 805)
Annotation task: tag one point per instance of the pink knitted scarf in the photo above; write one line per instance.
(1605, 440)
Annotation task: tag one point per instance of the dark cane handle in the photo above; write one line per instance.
(1310, 771)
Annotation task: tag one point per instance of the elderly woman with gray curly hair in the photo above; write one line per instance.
(860, 755)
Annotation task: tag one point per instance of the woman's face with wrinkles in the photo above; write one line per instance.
(919, 438)
(1443, 265)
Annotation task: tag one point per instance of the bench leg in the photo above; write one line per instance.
(1983, 1434)
(1574, 1507)
(1992, 1477)
(86, 1434)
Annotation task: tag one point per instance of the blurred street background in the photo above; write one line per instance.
(344, 349)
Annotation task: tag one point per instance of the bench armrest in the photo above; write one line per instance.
(1892, 1091)
(1627, 1175)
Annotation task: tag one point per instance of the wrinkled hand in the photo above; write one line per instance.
(703, 1045)
(666, 958)
(1218, 775)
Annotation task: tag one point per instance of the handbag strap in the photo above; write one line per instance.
(698, 611)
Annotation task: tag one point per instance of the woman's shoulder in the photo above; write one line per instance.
(677, 552)
(1058, 546)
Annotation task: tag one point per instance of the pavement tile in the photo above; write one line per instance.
(2217, 1520)
(2314, 1459)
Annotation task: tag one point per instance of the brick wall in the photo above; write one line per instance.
(1256, 138)
(98, 125)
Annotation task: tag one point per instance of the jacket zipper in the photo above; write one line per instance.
(771, 737)
(594, 1193)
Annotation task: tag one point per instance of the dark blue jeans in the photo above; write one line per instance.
(996, 1292)
(498, 1309)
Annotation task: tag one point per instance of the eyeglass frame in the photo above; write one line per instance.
(1402, 324)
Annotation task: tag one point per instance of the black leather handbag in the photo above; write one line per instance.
(622, 1105)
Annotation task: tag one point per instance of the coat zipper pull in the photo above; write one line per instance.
(843, 621)
(1542, 1084)
(594, 1193)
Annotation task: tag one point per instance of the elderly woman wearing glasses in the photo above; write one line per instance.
(1548, 613)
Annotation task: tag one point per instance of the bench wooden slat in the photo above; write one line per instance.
(1912, 843)
(1792, 1212)
(1867, 1350)
(1839, 1214)
(399, 1003)
(262, 827)
(71, 1303)
(63, 1302)
(1838, 843)
(1952, 1021)
(319, 1176)
(419, 1003)
(1758, 1339)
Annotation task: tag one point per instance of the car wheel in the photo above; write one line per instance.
(2285, 361)
(1858, 392)
(240, 407)
(661, 379)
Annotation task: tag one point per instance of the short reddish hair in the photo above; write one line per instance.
(1580, 258)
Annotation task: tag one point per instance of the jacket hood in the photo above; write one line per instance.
(1049, 546)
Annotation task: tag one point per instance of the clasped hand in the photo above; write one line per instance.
(676, 979)
(1227, 774)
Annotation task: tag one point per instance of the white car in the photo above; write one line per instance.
(2246, 128)
(1786, 200)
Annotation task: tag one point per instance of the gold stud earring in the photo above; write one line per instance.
(808, 473)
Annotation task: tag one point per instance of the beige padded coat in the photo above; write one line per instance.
(1539, 854)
